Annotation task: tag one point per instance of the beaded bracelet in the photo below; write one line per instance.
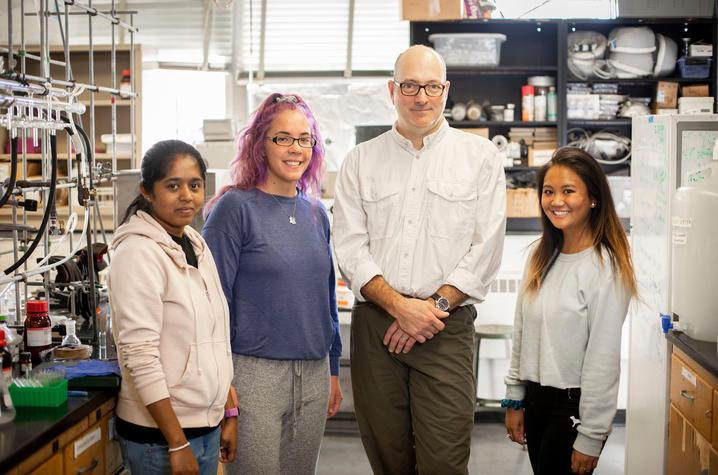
(512, 404)
(177, 449)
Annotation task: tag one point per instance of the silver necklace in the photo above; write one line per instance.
(292, 217)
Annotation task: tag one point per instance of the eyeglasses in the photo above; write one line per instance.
(412, 89)
(287, 141)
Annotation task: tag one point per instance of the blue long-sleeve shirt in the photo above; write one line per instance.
(278, 277)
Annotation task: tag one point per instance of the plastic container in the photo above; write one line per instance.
(540, 102)
(473, 111)
(551, 104)
(46, 396)
(509, 113)
(695, 257)
(458, 112)
(694, 68)
(126, 81)
(527, 103)
(469, 49)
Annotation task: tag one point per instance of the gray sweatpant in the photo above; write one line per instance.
(282, 413)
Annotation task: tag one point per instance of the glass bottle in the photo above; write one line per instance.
(70, 336)
(126, 81)
(6, 359)
(7, 410)
(12, 340)
(37, 329)
(25, 363)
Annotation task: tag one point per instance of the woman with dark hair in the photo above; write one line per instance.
(176, 411)
(270, 237)
(562, 383)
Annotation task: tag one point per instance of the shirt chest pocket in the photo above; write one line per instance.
(451, 208)
(382, 204)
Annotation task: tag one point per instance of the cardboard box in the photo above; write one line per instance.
(695, 105)
(540, 153)
(666, 95)
(522, 203)
(695, 90)
(432, 10)
(482, 131)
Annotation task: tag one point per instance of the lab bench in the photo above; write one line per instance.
(76, 437)
(693, 424)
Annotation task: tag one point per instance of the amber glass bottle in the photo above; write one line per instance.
(37, 329)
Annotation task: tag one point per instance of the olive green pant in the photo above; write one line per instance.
(415, 411)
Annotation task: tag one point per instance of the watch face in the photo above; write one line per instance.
(442, 304)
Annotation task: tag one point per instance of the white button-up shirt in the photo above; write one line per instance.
(421, 218)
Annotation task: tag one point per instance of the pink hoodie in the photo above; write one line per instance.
(170, 324)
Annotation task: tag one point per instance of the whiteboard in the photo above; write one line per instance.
(696, 154)
(667, 150)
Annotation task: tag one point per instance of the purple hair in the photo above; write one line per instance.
(249, 168)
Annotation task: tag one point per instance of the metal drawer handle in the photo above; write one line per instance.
(90, 468)
(687, 395)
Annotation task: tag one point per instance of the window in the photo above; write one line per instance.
(175, 102)
(313, 35)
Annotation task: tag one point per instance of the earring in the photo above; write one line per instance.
(593, 204)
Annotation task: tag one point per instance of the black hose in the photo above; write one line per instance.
(48, 208)
(13, 172)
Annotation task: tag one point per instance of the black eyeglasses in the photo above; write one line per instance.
(287, 141)
(412, 88)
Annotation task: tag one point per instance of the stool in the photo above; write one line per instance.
(490, 332)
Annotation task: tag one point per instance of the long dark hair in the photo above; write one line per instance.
(603, 222)
(155, 165)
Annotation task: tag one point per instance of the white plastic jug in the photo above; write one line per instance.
(694, 227)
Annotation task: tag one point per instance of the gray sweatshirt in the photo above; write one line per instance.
(569, 336)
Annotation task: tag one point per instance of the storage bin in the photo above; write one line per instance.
(46, 396)
(694, 68)
(469, 49)
(695, 105)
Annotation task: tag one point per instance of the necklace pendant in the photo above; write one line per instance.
(292, 220)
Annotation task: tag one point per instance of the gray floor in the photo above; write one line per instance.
(491, 454)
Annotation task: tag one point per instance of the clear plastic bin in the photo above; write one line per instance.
(469, 49)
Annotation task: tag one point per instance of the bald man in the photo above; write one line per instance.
(419, 223)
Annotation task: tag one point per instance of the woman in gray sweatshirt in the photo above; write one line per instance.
(562, 383)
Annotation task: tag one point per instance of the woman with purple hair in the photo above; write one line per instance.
(269, 235)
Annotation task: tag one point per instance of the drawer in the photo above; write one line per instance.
(86, 454)
(692, 396)
(52, 466)
(102, 411)
(113, 453)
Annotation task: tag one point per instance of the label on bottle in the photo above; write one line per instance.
(39, 337)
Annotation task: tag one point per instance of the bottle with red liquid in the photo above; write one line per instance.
(37, 329)
(6, 360)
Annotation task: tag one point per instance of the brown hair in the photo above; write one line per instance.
(603, 222)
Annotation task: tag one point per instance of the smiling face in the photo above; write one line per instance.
(418, 115)
(286, 165)
(566, 202)
(177, 198)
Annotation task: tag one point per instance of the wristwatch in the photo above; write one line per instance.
(442, 303)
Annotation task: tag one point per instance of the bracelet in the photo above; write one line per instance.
(234, 412)
(512, 404)
(177, 449)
